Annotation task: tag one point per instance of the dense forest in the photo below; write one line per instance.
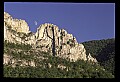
(104, 51)
(78, 69)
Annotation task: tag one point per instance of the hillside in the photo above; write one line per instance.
(47, 38)
(104, 51)
(53, 53)
(46, 66)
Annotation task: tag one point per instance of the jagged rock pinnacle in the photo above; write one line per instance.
(16, 24)
(48, 38)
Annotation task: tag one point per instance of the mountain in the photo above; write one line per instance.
(104, 51)
(50, 52)
(21, 61)
(47, 38)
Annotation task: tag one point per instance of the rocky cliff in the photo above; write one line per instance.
(48, 38)
(15, 24)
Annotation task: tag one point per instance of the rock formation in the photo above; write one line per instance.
(9, 60)
(64, 44)
(15, 24)
(48, 38)
(90, 58)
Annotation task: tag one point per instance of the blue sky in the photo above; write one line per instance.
(86, 21)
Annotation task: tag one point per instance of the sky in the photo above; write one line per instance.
(86, 21)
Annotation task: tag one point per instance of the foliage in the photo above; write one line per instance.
(17, 46)
(78, 69)
(39, 46)
(104, 51)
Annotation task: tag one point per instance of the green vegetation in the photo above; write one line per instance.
(78, 69)
(13, 50)
(39, 46)
(20, 34)
(104, 51)
(17, 46)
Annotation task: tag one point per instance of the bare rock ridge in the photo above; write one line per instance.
(17, 25)
(48, 38)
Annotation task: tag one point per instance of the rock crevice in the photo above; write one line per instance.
(47, 38)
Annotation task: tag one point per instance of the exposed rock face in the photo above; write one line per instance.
(90, 58)
(18, 37)
(17, 31)
(6, 59)
(9, 60)
(48, 38)
(49, 65)
(61, 66)
(66, 45)
(15, 24)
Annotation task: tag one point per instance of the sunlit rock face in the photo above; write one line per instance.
(90, 58)
(16, 24)
(17, 30)
(66, 45)
(48, 38)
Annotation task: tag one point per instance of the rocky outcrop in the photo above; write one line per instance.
(6, 59)
(17, 31)
(9, 60)
(18, 37)
(48, 38)
(61, 67)
(49, 65)
(90, 58)
(16, 24)
(65, 45)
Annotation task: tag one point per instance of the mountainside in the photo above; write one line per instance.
(104, 51)
(47, 38)
(23, 61)
(50, 52)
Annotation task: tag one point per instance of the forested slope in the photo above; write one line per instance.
(104, 51)
(50, 67)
